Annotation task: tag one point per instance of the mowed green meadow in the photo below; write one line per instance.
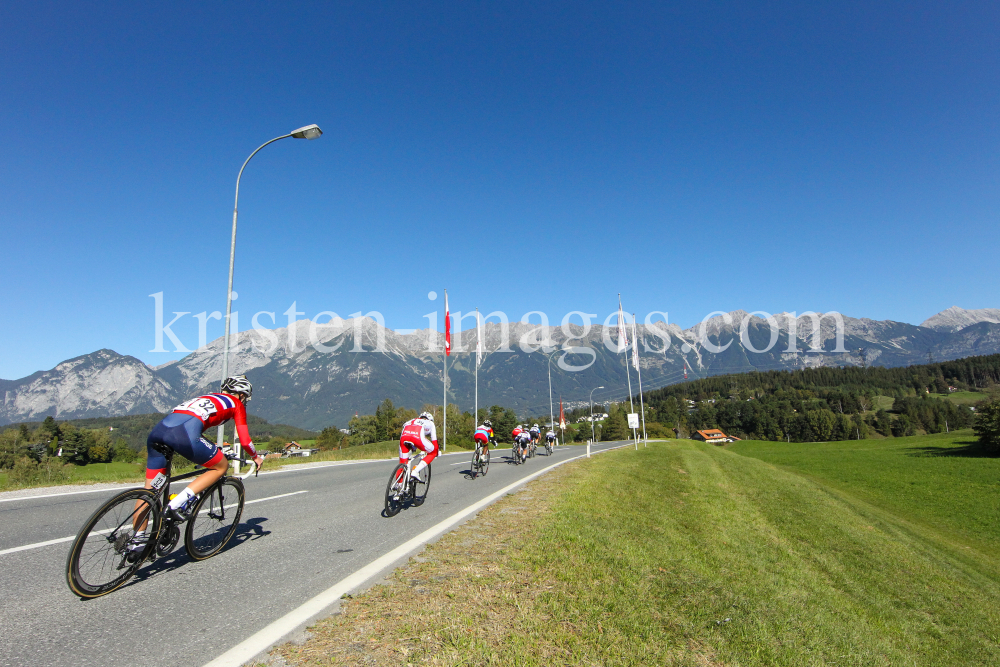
(850, 553)
(865, 553)
(943, 485)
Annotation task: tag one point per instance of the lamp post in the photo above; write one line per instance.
(593, 434)
(307, 132)
(548, 367)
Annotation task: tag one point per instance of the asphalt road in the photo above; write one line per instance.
(326, 525)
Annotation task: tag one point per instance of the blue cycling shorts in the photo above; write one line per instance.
(182, 434)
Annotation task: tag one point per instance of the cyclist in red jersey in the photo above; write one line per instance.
(419, 433)
(181, 431)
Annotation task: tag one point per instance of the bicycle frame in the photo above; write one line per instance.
(163, 494)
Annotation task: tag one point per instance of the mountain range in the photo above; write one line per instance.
(317, 381)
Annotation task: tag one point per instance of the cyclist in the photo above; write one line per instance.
(535, 434)
(516, 432)
(550, 438)
(484, 435)
(181, 432)
(419, 433)
(523, 440)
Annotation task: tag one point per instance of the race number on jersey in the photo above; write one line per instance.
(202, 407)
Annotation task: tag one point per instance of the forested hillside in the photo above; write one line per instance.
(822, 404)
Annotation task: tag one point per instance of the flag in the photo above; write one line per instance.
(562, 416)
(635, 346)
(447, 326)
(622, 336)
(479, 340)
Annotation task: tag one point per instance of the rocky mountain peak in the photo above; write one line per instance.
(955, 318)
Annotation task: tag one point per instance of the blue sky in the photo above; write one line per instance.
(526, 156)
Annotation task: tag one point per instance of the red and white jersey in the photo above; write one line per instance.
(516, 432)
(215, 409)
(419, 432)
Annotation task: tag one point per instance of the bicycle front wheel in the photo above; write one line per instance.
(484, 461)
(420, 492)
(476, 462)
(100, 559)
(214, 519)
(394, 491)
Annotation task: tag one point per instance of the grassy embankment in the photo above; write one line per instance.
(94, 473)
(863, 553)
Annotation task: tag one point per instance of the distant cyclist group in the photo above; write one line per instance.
(141, 524)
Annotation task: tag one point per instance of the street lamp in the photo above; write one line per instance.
(307, 132)
(548, 367)
(593, 434)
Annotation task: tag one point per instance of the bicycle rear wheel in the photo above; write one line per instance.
(476, 461)
(515, 453)
(420, 490)
(394, 491)
(484, 460)
(99, 560)
(214, 519)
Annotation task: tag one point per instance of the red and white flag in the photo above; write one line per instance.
(447, 326)
(562, 416)
(622, 335)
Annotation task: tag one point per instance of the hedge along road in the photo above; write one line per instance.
(305, 530)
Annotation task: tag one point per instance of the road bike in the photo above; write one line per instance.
(532, 446)
(101, 559)
(515, 453)
(404, 489)
(548, 447)
(480, 459)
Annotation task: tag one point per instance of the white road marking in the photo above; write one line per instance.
(276, 631)
(60, 540)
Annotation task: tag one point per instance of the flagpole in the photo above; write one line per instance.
(638, 370)
(621, 329)
(475, 414)
(444, 447)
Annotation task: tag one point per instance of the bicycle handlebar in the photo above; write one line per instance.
(240, 459)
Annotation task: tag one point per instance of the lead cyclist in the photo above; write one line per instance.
(181, 432)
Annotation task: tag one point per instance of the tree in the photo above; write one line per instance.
(385, 416)
(504, 420)
(51, 427)
(329, 438)
(616, 425)
(123, 453)
(362, 430)
(987, 424)
(903, 427)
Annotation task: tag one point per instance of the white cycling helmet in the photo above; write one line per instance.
(426, 415)
(238, 384)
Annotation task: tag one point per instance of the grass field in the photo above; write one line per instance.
(883, 403)
(688, 554)
(963, 397)
(942, 482)
(88, 474)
